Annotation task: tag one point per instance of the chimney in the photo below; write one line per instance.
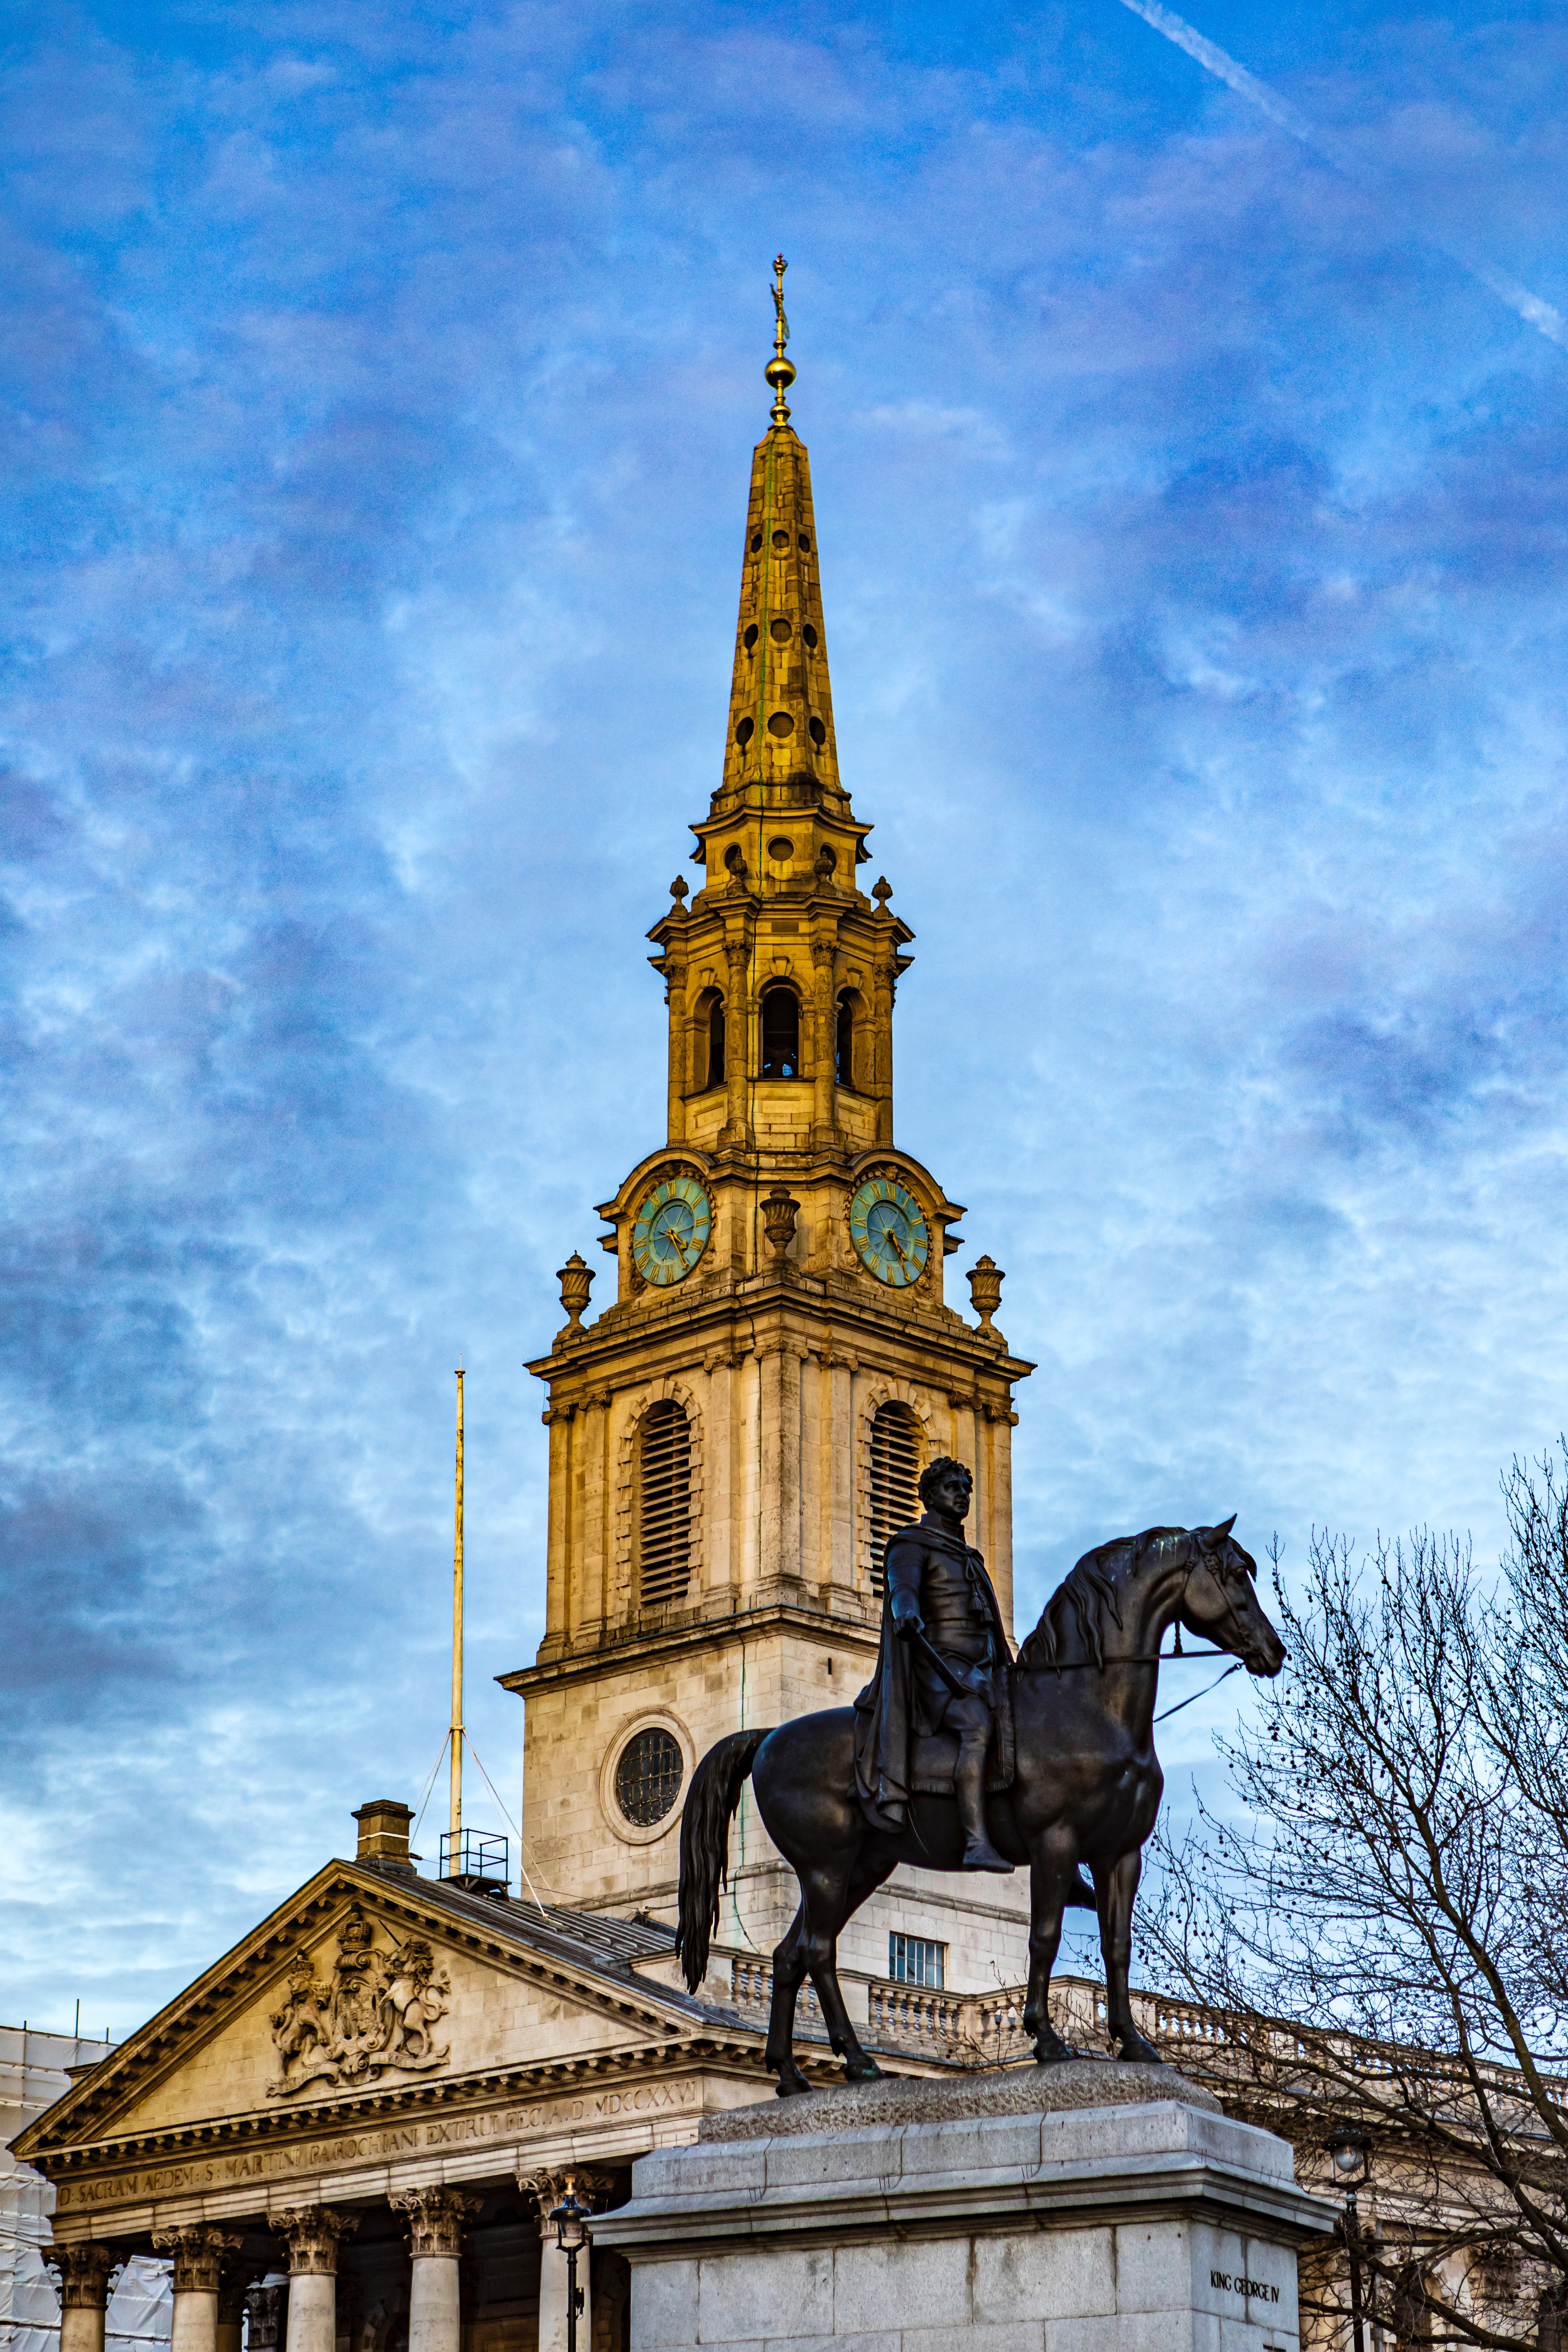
(384, 1834)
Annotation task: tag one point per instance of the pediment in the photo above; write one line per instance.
(361, 1991)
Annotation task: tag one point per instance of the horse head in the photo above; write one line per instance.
(1220, 1599)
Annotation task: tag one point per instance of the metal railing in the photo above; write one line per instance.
(476, 1860)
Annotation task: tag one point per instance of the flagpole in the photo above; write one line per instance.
(454, 1861)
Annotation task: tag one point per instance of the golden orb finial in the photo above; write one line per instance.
(779, 372)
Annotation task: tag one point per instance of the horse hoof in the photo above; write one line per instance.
(865, 2070)
(1142, 2054)
(1054, 2055)
(790, 2086)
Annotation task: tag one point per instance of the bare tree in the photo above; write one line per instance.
(1386, 1922)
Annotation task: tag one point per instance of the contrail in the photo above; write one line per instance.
(1519, 300)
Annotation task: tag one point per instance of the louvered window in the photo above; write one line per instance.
(895, 1479)
(664, 1504)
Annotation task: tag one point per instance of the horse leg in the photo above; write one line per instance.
(1116, 1889)
(788, 1968)
(865, 1878)
(1053, 1867)
(825, 1905)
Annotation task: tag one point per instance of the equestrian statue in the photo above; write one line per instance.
(955, 1757)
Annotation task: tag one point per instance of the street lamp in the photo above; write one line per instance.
(1352, 2152)
(570, 2220)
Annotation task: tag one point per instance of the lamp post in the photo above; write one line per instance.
(570, 2220)
(1351, 2150)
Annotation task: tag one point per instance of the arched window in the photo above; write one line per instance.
(715, 1043)
(846, 1044)
(780, 1034)
(664, 1504)
(895, 1479)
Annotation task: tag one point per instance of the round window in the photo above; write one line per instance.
(648, 1774)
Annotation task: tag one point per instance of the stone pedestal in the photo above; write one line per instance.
(1086, 2207)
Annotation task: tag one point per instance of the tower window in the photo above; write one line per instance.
(648, 1774)
(780, 1034)
(846, 1054)
(664, 1504)
(895, 1480)
(715, 1043)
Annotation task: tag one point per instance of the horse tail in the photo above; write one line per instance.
(705, 1818)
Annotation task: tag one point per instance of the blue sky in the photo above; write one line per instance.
(381, 388)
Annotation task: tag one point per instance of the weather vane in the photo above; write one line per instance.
(779, 371)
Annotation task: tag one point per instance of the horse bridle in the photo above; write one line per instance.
(1156, 1657)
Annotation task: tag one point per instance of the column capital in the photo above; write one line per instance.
(198, 2254)
(264, 2305)
(436, 2218)
(85, 2269)
(547, 2189)
(311, 2233)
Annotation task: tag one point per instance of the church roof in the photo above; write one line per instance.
(523, 1995)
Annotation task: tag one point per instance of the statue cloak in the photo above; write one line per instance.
(898, 1754)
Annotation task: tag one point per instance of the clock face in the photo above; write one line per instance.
(671, 1230)
(889, 1231)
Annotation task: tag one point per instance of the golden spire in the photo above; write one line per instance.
(779, 372)
(780, 703)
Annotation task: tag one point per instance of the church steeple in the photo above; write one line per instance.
(779, 915)
(735, 1432)
(780, 703)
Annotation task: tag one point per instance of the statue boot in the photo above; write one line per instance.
(970, 1786)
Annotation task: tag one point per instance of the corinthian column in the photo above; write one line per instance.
(198, 2256)
(84, 2272)
(311, 2233)
(736, 1045)
(676, 996)
(825, 1044)
(436, 2219)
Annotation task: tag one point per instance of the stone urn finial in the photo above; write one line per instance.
(576, 1280)
(985, 1280)
(778, 1214)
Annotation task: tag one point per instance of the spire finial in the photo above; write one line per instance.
(779, 372)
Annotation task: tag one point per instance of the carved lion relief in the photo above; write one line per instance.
(376, 2010)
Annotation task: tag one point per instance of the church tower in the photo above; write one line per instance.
(734, 1438)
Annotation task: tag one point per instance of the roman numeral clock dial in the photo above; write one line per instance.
(671, 1230)
(889, 1233)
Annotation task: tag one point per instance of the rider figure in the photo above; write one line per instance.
(935, 1588)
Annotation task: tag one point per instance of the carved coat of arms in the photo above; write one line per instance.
(377, 2011)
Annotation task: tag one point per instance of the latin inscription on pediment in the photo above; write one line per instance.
(376, 2013)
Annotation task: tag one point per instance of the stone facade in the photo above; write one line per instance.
(388, 2194)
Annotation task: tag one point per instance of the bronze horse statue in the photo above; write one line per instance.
(1086, 1790)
